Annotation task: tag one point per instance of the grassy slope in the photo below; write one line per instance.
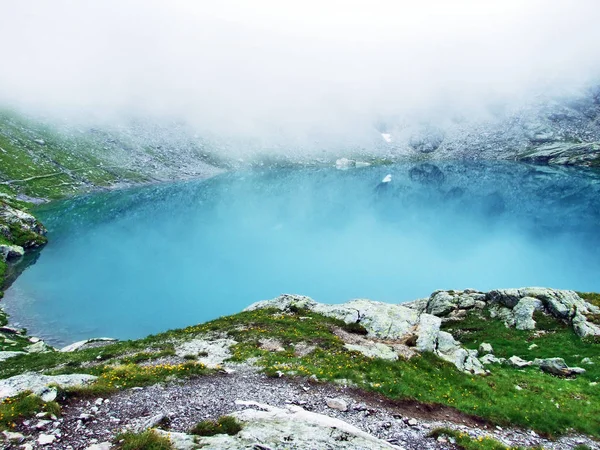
(547, 404)
(63, 165)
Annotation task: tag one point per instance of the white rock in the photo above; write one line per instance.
(15, 438)
(307, 430)
(523, 312)
(38, 383)
(46, 439)
(49, 395)
(100, 446)
(344, 163)
(515, 361)
(5, 355)
(374, 350)
(485, 348)
(337, 403)
(82, 344)
(215, 349)
(38, 347)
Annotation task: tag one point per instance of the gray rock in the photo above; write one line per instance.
(81, 345)
(267, 424)
(38, 347)
(374, 350)
(46, 439)
(5, 355)
(38, 383)
(11, 251)
(15, 438)
(337, 403)
(485, 348)
(491, 359)
(515, 361)
(149, 422)
(100, 446)
(427, 332)
(587, 361)
(523, 313)
(557, 366)
(441, 303)
(564, 153)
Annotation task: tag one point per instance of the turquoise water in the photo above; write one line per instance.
(134, 262)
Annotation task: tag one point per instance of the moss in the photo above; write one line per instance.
(147, 440)
(223, 425)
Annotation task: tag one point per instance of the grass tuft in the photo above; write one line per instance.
(147, 440)
(223, 425)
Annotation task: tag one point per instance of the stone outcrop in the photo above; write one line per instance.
(557, 366)
(515, 307)
(565, 153)
(38, 384)
(21, 227)
(388, 325)
(302, 429)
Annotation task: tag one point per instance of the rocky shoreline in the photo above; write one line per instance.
(313, 413)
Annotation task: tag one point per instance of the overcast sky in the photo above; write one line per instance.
(267, 66)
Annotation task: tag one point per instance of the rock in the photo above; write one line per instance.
(15, 438)
(46, 439)
(303, 430)
(427, 332)
(532, 347)
(31, 232)
(411, 422)
(5, 355)
(337, 403)
(100, 446)
(374, 350)
(491, 359)
(38, 383)
(182, 441)
(39, 141)
(441, 303)
(49, 395)
(557, 366)
(485, 348)
(515, 361)
(271, 345)
(450, 350)
(150, 422)
(427, 139)
(38, 347)
(523, 312)
(82, 345)
(212, 351)
(11, 251)
(587, 361)
(344, 163)
(564, 153)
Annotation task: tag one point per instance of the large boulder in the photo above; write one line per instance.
(557, 366)
(38, 384)
(303, 429)
(388, 322)
(21, 227)
(523, 312)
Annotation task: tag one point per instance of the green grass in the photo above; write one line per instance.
(552, 337)
(465, 442)
(147, 440)
(426, 378)
(546, 404)
(223, 425)
(23, 406)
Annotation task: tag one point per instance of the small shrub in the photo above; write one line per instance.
(147, 440)
(356, 328)
(189, 357)
(223, 425)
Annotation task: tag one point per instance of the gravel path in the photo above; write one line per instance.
(183, 403)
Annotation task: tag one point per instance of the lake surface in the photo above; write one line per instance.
(129, 263)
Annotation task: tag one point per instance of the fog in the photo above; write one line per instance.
(277, 72)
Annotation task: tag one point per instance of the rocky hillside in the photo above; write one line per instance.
(42, 158)
(459, 369)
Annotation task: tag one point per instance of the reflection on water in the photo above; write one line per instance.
(130, 263)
